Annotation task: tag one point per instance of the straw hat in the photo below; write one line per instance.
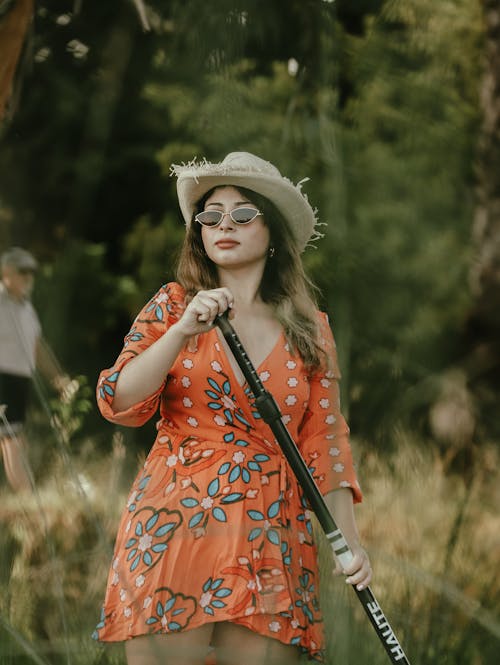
(242, 169)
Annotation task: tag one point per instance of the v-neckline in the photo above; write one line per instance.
(235, 370)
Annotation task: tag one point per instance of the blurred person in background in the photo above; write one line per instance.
(22, 352)
(216, 547)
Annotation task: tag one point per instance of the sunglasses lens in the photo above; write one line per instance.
(244, 215)
(209, 217)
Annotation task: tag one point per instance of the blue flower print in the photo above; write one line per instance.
(137, 493)
(242, 466)
(133, 336)
(222, 400)
(172, 611)
(272, 533)
(307, 600)
(107, 386)
(208, 505)
(213, 592)
(305, 520)
(156, 303)
(152, 531)
(101, 624)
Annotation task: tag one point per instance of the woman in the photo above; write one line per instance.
(215, 545)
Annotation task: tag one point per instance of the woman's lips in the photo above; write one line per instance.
(226, 244)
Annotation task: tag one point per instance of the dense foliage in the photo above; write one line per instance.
(376, 104)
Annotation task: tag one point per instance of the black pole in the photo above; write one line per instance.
(268, 409)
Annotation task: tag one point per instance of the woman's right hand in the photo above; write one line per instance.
(202, 310)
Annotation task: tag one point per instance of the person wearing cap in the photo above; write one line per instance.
(22, 351)
(215, 545)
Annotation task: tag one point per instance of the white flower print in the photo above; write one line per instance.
(228, 402)
(302, 538)
(187, 402)
(192, 421)
(264, 376)
(294, 623)
(330, 437)
(330, 419)
(172, 460)
(207, 502)
(127, 612)
(345, 483)
(334, 452)
(238, 457)
(291, 364)
(290, 400)
(186, 381)
(161, 297)
(188, 363)
(219, 420)
(286, 419)
(139, 581)
(275, 626)
(324, 403)
(129, 524)
(132, 498)
(147, 602)
(325, 383)
(338, 468)
(123, 595)
(164, 621)
(116, 579)
(205, 599)
(216, 366)
(145, 542)
(292, 382)
(116, 563)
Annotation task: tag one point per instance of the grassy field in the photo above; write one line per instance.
(434, 542)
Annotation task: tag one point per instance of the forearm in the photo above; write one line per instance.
(341, 505)
(145, 373)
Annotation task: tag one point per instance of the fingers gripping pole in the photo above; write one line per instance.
(270, 413)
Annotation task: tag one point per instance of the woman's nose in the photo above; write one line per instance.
(226, 221)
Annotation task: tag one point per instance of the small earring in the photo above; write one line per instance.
(272, 252)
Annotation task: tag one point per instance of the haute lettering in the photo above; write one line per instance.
(386, 631)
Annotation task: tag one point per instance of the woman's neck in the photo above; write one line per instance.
(244, 284)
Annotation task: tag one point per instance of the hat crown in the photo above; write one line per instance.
(246, 161)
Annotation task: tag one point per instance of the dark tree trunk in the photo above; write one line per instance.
(14, 25)
(484, 323)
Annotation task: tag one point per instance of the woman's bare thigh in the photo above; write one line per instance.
(187, 648)
(237, 645)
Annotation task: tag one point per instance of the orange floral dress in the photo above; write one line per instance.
(216, 527)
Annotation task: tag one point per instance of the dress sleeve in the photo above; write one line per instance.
(153, 320)
(323, 433)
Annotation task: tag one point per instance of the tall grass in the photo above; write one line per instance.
(434, 542)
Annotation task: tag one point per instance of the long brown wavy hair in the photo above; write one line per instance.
(284, 285)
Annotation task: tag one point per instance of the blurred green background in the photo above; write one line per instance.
(392, 109)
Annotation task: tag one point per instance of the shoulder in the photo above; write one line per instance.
(169, 300)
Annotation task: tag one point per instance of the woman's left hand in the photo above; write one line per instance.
(359, 571)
